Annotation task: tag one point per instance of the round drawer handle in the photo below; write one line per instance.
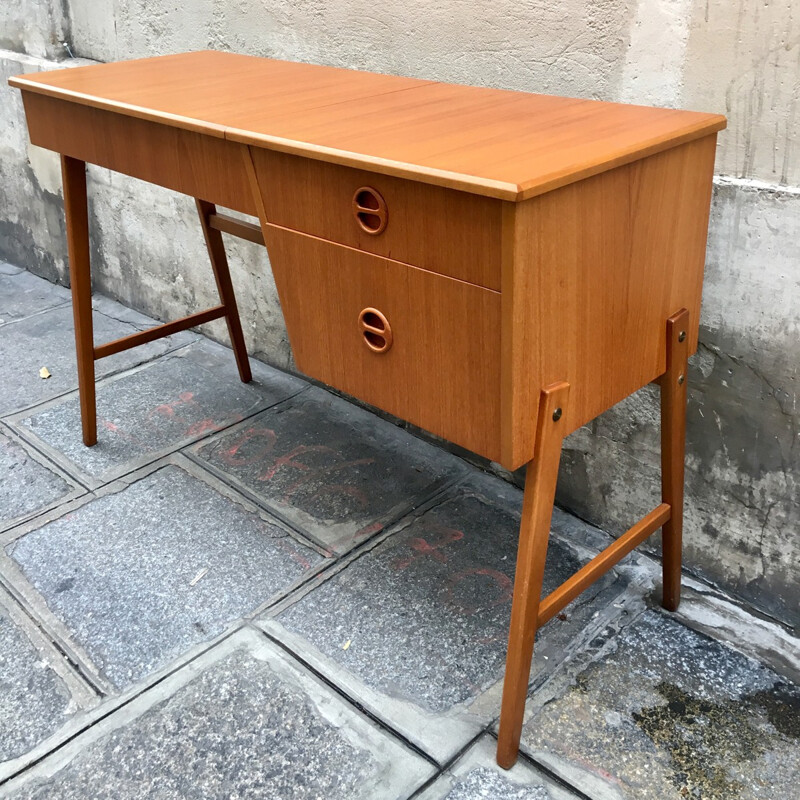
(370, 210)
(376, 330)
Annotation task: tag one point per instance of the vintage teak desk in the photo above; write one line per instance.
(496, 267)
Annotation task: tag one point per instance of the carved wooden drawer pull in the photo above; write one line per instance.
(376, 330)
(370, 210)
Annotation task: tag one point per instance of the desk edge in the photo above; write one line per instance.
(474, 184)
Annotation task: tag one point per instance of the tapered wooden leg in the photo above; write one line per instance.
(537, 511)
(222, 275)
(73, 173)
(673, 452)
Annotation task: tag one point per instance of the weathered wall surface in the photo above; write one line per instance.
(741, 59)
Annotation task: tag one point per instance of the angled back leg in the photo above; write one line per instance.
(222, 275)
(673, 452)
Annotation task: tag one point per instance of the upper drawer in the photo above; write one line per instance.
(196, 164)
(443, 230)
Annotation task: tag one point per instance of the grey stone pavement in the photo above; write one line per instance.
(265, 591)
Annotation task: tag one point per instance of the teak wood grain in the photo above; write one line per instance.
(530, 261)
(443, 230)
(196, 164)
(674, 391)
(442, 371)
(509, 145)
(534, 535)
(591, 272)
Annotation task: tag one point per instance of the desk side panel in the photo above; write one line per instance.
(596, 268)
(197, 164)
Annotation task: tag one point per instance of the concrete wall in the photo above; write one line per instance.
(740, 58)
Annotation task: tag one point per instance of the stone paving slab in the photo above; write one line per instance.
(23, 294)
(242, 721)
(47, 340)
(39, 694)
(416, 628)
(9, 269)
(661, 712)
(157, 408)
(28, 485)
(476, 776)
(331, 469)
(138, 576)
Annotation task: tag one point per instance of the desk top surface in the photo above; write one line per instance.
(499, 143)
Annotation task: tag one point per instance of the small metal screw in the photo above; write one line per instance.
(681, 379)
(557, 415)
(682, 336)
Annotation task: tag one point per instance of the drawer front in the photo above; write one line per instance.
(446, 231)
(419, 345)
(196, 164)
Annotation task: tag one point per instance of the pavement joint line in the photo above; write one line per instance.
(8, 322)
(231, 493)
(453, 759)
(52, 638)
(61, 641)
(79, 489)
(424, 500)
(712, 590)
(77, 673)
(583, 654)
(552, 776)
(52, 625)
(340, 562)
(575, 647)
(110, 374)
(349, 699)
(190, 452)
(117, 702)
(20, 529)
(14, 422)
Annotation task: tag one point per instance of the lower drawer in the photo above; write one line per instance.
(419, 345)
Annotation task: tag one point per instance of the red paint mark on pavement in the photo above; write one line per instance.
(291, 460)
(203, 426)
(444, 536)
(291, 550)
(504, 588)
(368, 530)
(231, 456)
(112, 427)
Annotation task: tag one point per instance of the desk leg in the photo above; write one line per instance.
(673, 453)
(222, 275)
(537, 512)
(73, 174)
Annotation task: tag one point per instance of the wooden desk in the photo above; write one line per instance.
(496, 267)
